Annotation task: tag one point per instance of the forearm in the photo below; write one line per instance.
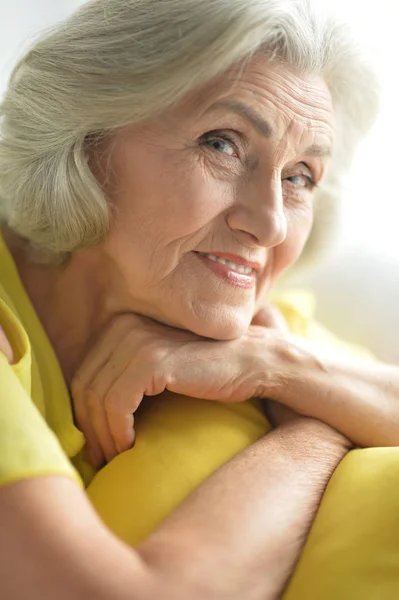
(358, 397)
(237, 536)
(241, 532)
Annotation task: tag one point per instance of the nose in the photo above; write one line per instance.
(259, 213)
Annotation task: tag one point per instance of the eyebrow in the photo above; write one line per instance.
(257, 122)
(263, 127)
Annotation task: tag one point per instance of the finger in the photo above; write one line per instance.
(121, 425)
(124, 398)
(99, 395)
(82, 396)
(120, 416)
(96, 398)
(270, 316)
(100, 425)
(89, 397)
(92, 451)
(6, 347)
(96, 358)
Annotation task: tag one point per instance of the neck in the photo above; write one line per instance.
(69, 301)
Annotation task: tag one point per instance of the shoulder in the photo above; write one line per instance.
(5, 346)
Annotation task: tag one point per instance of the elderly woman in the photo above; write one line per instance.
(161, 165)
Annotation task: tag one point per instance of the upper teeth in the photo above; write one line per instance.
(238, 268)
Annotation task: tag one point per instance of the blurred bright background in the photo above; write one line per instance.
(372, 210)
(358, 287)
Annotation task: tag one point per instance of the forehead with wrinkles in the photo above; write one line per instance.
(272, 97)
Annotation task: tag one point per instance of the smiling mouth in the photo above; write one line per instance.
(242, 269)
(239, 276)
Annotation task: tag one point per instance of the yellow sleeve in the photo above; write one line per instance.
(28, 447)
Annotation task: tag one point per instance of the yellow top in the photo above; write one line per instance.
(352, 550)
(37, 431)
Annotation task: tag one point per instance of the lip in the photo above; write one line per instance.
(239, 260)
(227, 274)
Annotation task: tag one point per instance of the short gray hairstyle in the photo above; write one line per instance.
(118, 62)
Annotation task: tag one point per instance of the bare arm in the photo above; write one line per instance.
(358, 397)
(237, 536)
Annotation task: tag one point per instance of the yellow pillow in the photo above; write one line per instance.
(180, 442)
(352, 552)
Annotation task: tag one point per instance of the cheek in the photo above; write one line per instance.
(165, 203)
(299, 226)
(174, 206)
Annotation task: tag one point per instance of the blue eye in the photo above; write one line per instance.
(222, 144)
(302, 181)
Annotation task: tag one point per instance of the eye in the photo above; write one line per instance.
(302, 181)
(220, 143)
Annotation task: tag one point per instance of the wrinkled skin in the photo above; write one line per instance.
(179, 189)
(231, 169)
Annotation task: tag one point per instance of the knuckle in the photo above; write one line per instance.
(158, 353)
(112, 403)
(120, 324)
(151, 354)
(116, 403)
(130, 337)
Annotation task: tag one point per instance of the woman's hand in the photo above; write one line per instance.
(280, 415)
(270, 317)
(137, 357)
(354, 396)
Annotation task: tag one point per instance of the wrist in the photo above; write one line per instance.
(297, 374)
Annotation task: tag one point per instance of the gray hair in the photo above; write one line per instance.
(118, 62)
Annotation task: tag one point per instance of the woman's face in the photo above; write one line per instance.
(228, 175)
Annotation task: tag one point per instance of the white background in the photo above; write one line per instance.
(371, 216)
